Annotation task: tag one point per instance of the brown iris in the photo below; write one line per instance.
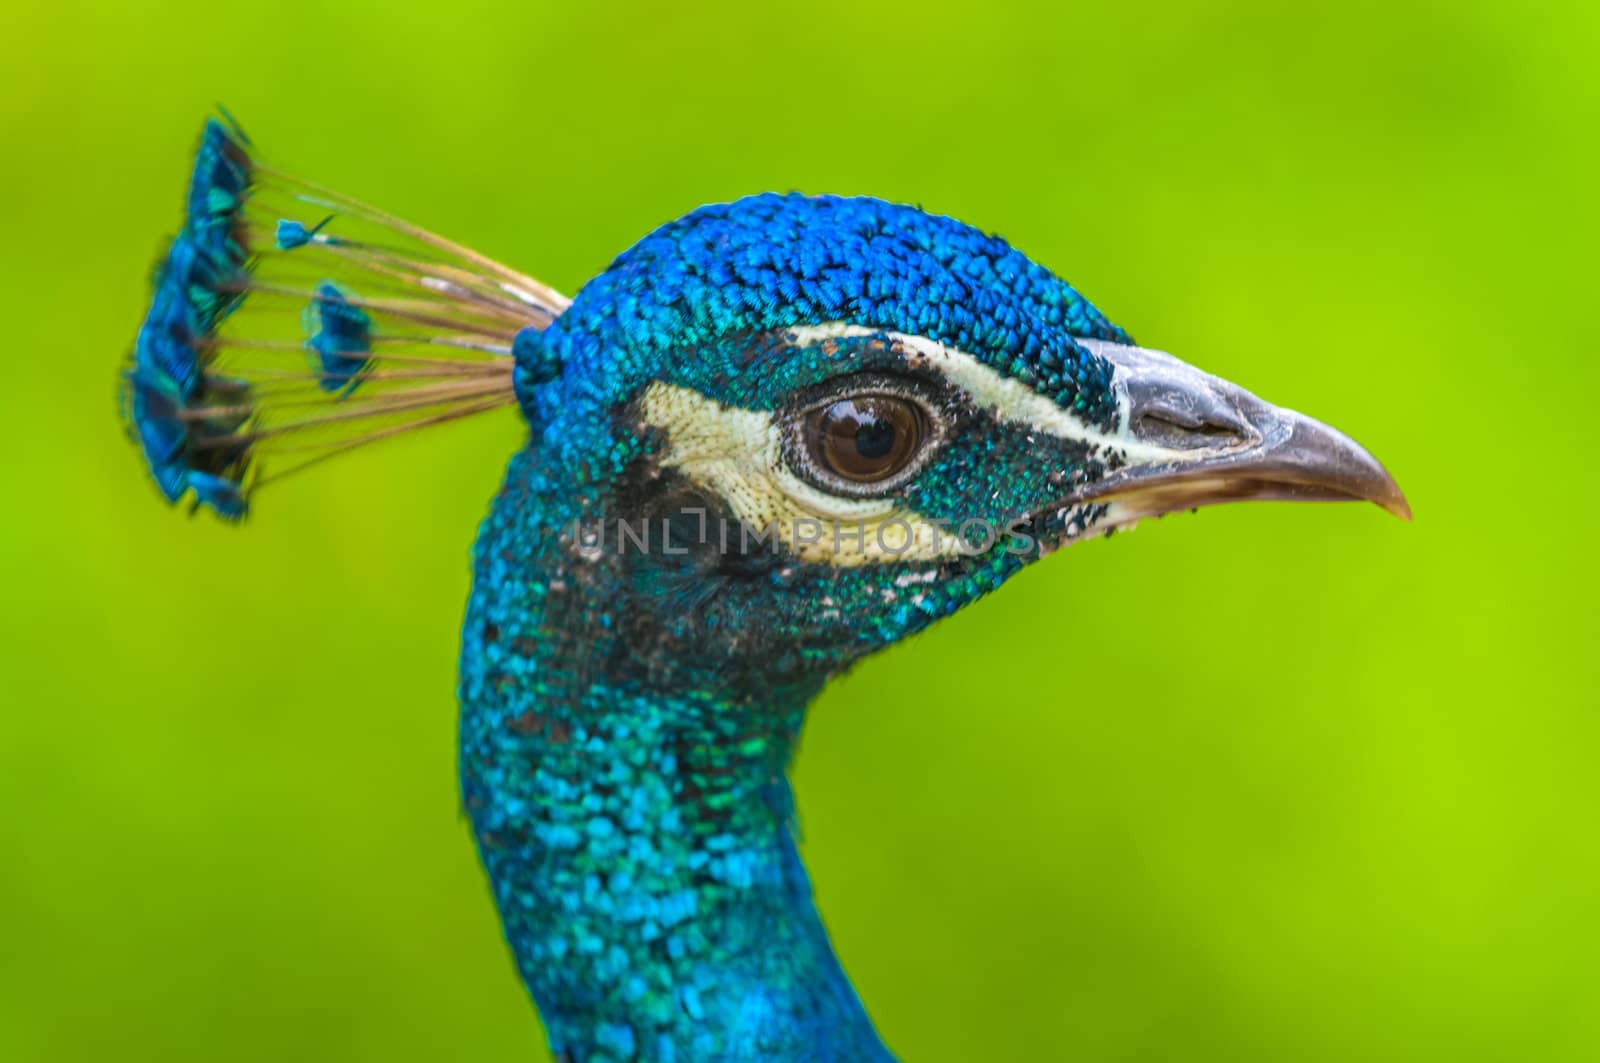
(867, 438)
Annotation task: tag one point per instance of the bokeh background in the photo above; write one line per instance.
(1325, 786)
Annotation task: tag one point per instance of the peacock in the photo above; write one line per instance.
(773, 437)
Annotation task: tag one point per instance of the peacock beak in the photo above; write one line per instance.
(1194, 440)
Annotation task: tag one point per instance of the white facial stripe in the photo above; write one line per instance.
(1007, 398)
(738, 454)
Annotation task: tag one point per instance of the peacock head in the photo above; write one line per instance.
(790, 430)
(778, 433)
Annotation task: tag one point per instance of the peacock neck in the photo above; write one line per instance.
(635, 818)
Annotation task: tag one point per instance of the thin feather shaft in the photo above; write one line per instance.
(386, 433)
(293, 347)
(394, 308)
(374, 408)
(336, 200)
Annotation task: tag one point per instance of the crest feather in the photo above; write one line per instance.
(286, 319)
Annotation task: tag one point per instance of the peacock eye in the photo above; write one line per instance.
(864, 440)
(864, 435)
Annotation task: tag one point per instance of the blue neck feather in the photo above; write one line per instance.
(634, 814)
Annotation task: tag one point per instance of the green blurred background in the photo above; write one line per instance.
(1328, 789)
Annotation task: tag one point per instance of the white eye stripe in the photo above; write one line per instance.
(1007, 398)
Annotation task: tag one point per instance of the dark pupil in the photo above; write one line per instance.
(874, 438)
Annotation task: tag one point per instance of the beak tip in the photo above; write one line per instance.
(1380, 487)
(1336, 461)
(1397, 504)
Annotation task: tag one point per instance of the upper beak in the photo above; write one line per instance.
(1193, 439)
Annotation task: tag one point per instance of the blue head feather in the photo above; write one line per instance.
(167, 378)
(772, 261)
(198, 284)
(292, 234)
(217, 194)
(342, 339)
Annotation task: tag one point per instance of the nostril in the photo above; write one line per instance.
(1174, 429)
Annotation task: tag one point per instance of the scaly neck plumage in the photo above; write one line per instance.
(633, 812)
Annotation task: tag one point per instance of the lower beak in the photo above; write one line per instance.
(1195, 440)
